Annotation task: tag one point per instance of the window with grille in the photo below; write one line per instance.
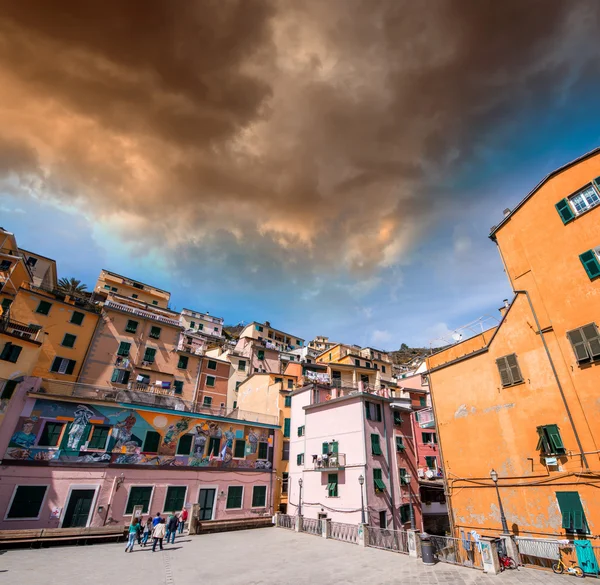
(235, 495)
(139, 496)
(27, 501)
(510, 373)
(585, 342)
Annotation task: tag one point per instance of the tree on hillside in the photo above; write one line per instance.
(71, 286)
(403, 347)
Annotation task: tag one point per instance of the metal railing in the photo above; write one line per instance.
(387, 539)
(334, 461)
(538, 552)
(8, 325)
(344, 532)
(141, 313)
(108, 394)
(456, 551)
(312, 526)
(286, 521)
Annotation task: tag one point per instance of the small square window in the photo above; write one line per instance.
(77, 318)
(134, 296)
(155, 302)
(99, 437)
(43, 308)
(183, 362)
(234, 497)
(69, 340)
(113, 289)
(155, 332)
(211, 365)
(210, 381)
(207, 401)
(131, 326)
(178, 385)
(242, 366)
(51, 434)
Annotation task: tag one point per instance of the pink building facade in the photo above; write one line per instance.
(339, 436)
(76, 461)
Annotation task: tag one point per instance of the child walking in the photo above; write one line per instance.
(147, 530)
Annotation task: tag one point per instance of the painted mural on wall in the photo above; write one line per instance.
(86, 433)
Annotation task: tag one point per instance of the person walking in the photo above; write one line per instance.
(140, 530)
(133, 530)
(156, 519)
(172, 528)
(158, 534)
(147, 530)
(182, 519)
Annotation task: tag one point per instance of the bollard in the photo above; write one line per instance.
(414, 543)
(427, 550)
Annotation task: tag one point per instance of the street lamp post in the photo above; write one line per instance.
(361, 481)
(494, 476)
(300, 501)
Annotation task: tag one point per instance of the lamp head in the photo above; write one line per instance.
(300, 482)
(494, 475)
(361, 479)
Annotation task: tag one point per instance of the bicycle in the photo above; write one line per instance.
(559, 568)
(507, 562)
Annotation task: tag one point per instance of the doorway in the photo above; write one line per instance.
(207, 503)
(78, 508)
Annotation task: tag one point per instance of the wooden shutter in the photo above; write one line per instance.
(511, 361)
(573, 516)
(333, 446)
(149, 354)
(375, 447)
(115, 375)
(590, 263)
(332, 485)
(556, 443)
(259, 496)
(590, 333)
(234, 497)
(504, 369)
(325, 448)
(15, 352)
(286, 427)
(399, 444)
(70, 367)
(579, 345)
(565, 211)
(6, 351)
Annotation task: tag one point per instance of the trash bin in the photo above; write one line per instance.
(427, 550)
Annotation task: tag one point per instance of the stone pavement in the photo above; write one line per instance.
(267, 556)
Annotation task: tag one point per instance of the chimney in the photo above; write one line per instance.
(504, 308)
(267, 324)
(506, 212)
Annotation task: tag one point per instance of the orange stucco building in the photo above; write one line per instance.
(523, 398)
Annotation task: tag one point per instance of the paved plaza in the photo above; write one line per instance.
(269, 556)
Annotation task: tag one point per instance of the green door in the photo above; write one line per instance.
(586, 558)
(206, 500)
(78, 508)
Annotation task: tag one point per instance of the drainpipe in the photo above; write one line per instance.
(198, 380)
(387, 454)
(364, 433)
(555, 373)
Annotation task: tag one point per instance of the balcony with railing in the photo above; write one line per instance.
(190, 344)
(17, 329)
(131, 310)
(145, 395)
(329, 462)
(326, 392)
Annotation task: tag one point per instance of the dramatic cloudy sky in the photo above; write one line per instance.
(333, 167)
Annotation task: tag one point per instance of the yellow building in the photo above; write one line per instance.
(521, 399)
(270, 394)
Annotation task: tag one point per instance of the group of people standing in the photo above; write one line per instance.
(157, 528)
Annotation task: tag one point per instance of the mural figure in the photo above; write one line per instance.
(200, 440)
(174, 431)
(82, 417)
(25, 437)
(228, 446)
(122, 430)
(214, 430)
(253, 440)
(131, 455)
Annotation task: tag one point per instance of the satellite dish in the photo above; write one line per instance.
(457, 336)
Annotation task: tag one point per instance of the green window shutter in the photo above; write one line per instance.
(6, 351)
(590, 263)
(368, 410)
(211, 365)
(286, 427)
(430, 462)
(44, 308)
(379, 485)
(149, 354)
(210, 381)
(131, 326)
(333, 447)
(332, 485)
(259, 496)
(15, 352)
(565, 211)
(579, 345)
(77, 318)
(287, 401)
(399, 444)
(543, 442)
(234, 404)
(234, 496)
(325, 449)
(504, 370)
(152, 442)
(27, 501)
(375, 447)
(185, 444)
(124, 348)
(50, 434)
(69, 340)
(405, 513)
(155, 332)
(300, 431)
(260, 354)
(9, 389)
(240, 449)
(590, 333)
(263, 450)
(175, 499)
(99, 437)
(207, 401)
(183, 362)
(138, 496)
(178, 385)
(300, 459)
(115, 375)
(573, 516)
(555, 440)
(56, 364)
(422, 401)
(70, 367)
